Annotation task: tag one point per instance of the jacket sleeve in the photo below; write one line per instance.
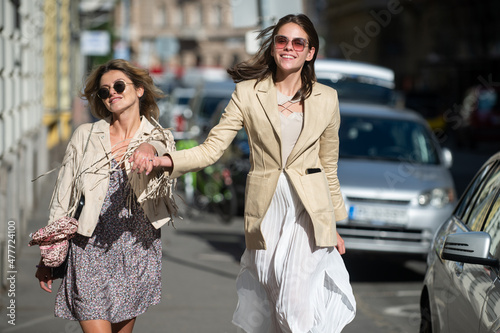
(329, 154)
(62, 201)
(162, 141)
(218, 140)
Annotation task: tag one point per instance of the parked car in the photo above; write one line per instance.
(357, 81)
(366, 83)
(395, 180)
(175, 112)
(206, 99)
(235, 158)
(212, 188)
(461, 289)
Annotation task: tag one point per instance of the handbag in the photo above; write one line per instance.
(54, 239)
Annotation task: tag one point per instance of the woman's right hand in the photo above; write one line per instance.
(44, 276)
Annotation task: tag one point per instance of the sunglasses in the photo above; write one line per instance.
(298, 44)
(119, 86)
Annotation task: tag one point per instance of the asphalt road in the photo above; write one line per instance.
(200, 265)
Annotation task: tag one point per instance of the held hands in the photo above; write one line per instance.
(164, 162)
(144, 160)
(340, 244)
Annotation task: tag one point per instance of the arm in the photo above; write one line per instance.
(59, 206)
(207, 153)
(158, 143)
(328, 154)
(142, 158)
(61, 202)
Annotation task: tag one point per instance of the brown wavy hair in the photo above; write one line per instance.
(262, 64)
(140, 78)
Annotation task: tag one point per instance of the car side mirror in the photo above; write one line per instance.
(469, 247)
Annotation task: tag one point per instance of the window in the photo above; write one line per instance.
(218, 15)
(359, 89)
(479, 207)
(180, 17)
(161, 16)
(473, 187)
(397, 140)
(198, 16)
(17, 15)
(492, 226)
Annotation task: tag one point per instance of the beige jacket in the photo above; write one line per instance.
(92, 179)
(255, 108)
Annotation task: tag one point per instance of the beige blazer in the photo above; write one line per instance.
(93, 179)
(255, 108)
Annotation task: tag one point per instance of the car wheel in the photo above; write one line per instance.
(425, 314)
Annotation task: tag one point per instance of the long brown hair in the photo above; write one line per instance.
(140, 78)
(262, 64)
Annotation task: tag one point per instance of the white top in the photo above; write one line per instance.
(291, 126)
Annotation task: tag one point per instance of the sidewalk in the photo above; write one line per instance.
(200, 265)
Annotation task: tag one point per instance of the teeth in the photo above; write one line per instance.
(288, 57)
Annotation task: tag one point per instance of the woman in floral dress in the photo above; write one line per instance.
(114, 261)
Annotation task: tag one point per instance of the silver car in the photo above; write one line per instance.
(395, 180)
(461, 289)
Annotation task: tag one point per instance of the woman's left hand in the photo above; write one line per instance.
(142, 158)
(340, 244)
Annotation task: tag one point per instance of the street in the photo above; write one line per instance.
(439, 59)
(201, 262)
(200, 265)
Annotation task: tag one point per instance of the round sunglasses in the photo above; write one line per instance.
(119, 86)
(298, 44)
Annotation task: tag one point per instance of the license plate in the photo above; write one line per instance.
(378, 215)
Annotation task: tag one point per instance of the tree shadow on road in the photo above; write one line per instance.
(362, 267)
(231, 243)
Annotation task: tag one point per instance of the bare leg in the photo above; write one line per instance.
(125, 326)
(96, 326)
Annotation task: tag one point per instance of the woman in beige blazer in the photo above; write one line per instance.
(114, 261)
(292, 278)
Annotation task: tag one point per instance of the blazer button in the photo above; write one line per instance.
(100, 198)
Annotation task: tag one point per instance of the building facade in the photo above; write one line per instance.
(174, 35)
(37, 70)
(434, 47)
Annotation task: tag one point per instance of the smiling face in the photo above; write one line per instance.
(119, 102)
(287, 59)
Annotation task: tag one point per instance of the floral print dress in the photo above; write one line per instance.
(115, 275)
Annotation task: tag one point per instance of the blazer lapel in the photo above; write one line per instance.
(266, 93)
(312, 121)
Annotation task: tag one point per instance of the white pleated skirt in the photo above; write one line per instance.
(293, 286)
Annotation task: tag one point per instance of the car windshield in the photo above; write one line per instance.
(364, 137)
(359, 89)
